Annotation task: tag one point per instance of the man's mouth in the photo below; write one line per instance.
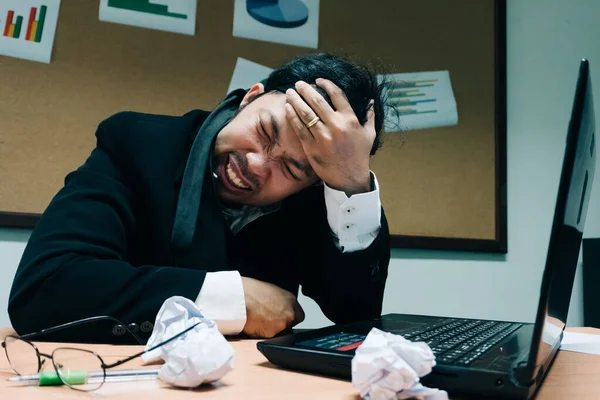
(234, 176)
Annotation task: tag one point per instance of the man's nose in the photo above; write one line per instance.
(258, 165)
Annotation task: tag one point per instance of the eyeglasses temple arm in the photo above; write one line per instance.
(117, 363)
(80, 322)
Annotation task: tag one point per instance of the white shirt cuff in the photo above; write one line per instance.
(221, 299)
(355, 221)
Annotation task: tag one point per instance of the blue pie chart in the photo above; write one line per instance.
(278, 13)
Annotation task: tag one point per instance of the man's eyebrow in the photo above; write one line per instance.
(274, 126)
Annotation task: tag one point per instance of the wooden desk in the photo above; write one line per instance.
(573, 376)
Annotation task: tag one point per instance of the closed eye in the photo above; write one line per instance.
(290, 172)
(263, 132)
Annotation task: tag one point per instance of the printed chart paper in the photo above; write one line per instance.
(246, 74)
(177, 16)
(293, 22)
(419, 100)
(27, 28)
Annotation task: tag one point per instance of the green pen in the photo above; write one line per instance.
(51, 378)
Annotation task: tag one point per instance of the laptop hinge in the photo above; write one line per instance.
(521, 375)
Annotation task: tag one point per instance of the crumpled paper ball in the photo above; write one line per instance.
(201, 355)
(388, 366)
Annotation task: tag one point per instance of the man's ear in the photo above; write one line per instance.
(255, 90)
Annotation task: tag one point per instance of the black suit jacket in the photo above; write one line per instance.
(106, 244)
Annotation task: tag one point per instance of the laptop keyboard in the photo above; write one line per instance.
(461, 342)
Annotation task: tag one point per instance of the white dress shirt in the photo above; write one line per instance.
(354, 221)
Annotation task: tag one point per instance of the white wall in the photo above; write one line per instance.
(12, 244)
(546, 39)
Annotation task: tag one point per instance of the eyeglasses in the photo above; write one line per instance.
(79, 369)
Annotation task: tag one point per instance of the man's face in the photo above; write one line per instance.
(258, 157)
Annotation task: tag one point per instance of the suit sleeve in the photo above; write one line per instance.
(347, 286)
(74, 265)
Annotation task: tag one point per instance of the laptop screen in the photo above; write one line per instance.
(567, 229)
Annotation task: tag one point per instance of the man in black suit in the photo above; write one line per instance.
(233, 209)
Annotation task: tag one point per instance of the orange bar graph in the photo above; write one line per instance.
(9, 21)
(34, 26)
(11, 30)
(32, 13)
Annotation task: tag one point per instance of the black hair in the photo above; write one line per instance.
(357, 82)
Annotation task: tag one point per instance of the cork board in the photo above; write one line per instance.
(442, 188)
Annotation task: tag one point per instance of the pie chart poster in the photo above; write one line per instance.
(292, 22)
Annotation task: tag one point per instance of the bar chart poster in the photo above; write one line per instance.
(177, 16)
(27, 28)
(419, 100)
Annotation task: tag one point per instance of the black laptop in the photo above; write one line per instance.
(485, 358)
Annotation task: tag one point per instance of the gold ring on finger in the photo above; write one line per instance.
(313, 122)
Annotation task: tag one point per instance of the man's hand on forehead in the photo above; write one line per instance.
(336, 144)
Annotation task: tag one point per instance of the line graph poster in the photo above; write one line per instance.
(27, 28)
(419, 100)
